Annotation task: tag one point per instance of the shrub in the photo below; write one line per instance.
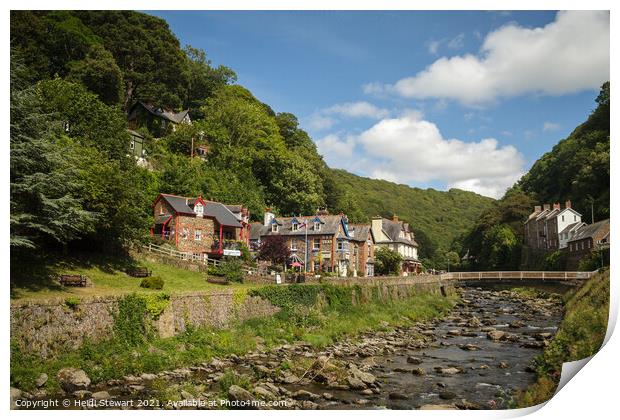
(72, 302)
(154, 282)
(231, 270)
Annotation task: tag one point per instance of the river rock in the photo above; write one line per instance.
(356, 383)
(447, 395)
(503, 365)
(496, 335)
(82, 394)
(101, 395)
(263, 370)
(365, 377)
(414, 360)
(454, 333)
(304, 395)
(186, 395)
(290, 379)
(469, 347)
(236, 393)
(448, 370)
(309, 405)
(16, 394)
(264, 393)
(418, 371)
(41, 380)
(148, 376)
(72, 379)
(397, 396)
(438, 407)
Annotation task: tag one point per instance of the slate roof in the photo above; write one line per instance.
(329, 226)
(588, 231)
(175, 117)
(256, 229)
(570, 227)
(392, 229)
(360, 232)
(213, 209)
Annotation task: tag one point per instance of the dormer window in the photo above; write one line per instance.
(295, 227)
(317, 225)
(199, 209)
(274, 227)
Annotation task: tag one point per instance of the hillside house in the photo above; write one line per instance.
(200, 227)
(159, 121)
(587, 239)
(550, 228)
(397, 235)
(327, 237)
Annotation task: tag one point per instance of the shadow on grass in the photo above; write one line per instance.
(40, 271)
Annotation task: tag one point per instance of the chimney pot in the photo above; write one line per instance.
(537, 209)
(568, 204)
(556, 206)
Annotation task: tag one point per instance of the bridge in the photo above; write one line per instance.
(519, 276)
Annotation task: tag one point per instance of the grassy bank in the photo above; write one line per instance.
(108, 277)
(318, 314)
(580, 335)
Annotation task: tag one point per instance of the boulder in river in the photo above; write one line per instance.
(303, 395)
(414, 360)
(365, 377)
(397, 396)
(356, 383)
(496, 335)
(101, 395)
(72, 379)
(236, 393)
(418, 371)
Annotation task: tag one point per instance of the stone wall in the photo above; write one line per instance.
(46, 328)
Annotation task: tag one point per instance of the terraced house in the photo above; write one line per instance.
(200, 227)
(397, 236)
(550, 228)
(331, 245)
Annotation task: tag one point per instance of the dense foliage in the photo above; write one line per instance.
(576, 169)
(387, 262)
(274, 249)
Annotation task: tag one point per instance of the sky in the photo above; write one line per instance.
(439, 99)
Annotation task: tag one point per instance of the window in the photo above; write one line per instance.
(574, 218)
(274, 227)
(198, 235)
(161, 210)
(293, 245)
(132, 145)
(562, 217)
(316, 243)
(341, 246)
(199, 209)
(317, 225)
(295, 227)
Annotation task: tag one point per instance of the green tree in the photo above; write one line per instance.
(387, 262)
(274, 249)
(99, 73)
(499, 244)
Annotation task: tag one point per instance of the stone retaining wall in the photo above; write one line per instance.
(46, 328)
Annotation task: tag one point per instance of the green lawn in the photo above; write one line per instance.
(108, 278)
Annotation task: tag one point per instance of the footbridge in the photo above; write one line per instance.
(574, 277)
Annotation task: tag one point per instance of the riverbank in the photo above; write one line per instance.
(317, 314)
(580, 335)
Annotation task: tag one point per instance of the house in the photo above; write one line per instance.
(397, 235)
(363, 247)
(159, 121)
(321, 242)
(199, 227)
(587, 239)
(136, 145)
(549, 228)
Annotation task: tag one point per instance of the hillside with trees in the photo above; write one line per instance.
(75, 75)
(576, 169)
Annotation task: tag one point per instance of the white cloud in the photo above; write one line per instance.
(433, 46)
(320, 122)
(457, 42)
(357, 110)
(410, 150)
(550, 126)
(373, 88)
(568, 55)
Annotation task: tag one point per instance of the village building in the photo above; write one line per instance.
(363, 247)
(588, 238)
(319, 243)
(200, 227)
(158, 120)
(397, 236)
(550, 228)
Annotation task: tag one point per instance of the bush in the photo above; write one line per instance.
(72, 302)
(231, 270)
(154, 282)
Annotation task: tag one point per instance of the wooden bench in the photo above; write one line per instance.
(217, 281)
(139, 272)
(73, 280)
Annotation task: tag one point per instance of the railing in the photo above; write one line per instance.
(519, 275)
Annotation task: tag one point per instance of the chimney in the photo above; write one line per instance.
(269, 216)
(556, 206)
(395, 218)
(377, 227)
(546, 206)
(537, 209)
(568, 204)
(322, 211)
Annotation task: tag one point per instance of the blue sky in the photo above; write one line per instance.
(442, 99)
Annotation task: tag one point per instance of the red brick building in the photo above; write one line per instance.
(587, 239)
(200, 227)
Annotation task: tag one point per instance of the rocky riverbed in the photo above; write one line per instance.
(475, 358)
